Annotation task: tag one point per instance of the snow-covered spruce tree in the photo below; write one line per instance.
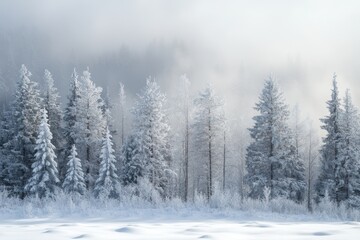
(105, 185)
(152, 133)
(44, 176)
(74, 179)
(26, 115)
(271, 157)
(208, 130)
(90, 123)
(330, 151)
(71, 116)
(132, 165)
(347, 171)
(52, 105)
(7, 128)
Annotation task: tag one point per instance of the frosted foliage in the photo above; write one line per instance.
(74, 179)
(132, 162)
(330, 151)
(52, 105)
(26, 116)
(90, 124)
(105, 185)
(271, 160)
(152, 133)
(347, 171)
(44, 176)
(208, 130)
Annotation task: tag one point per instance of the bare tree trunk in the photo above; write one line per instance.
(210, 157)
(122, 125)
(88, 163)
(309, 204)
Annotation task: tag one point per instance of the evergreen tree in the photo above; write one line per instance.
(347, 171)
(132, 165)
(44, 169)
(208, 131)
(74, 178)
(330, 151)
(26, 114)
(90, 123)
(71, 117)
(7, 128)
(152, 132)
(105, 185)
(52, 105)
(271, 160)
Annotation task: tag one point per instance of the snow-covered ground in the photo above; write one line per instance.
(174, 229)
(180, 224)
(224, 217)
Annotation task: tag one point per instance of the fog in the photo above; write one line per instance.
(233, 44)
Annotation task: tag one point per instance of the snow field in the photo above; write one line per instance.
(44, 229)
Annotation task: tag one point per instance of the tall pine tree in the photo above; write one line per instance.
(52, 105)
(152, 132)
(330, 151)
(26, 113)
(90, 123)
(44, 176)
(105, 185)
(71, 116)
(347, 171)
(271, 160)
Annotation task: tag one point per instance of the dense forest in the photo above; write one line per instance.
(179, 150)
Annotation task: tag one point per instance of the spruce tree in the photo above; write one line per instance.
(74, 179)
(52, 105)
(44, 176)
(347, 171)
(152, 132)
(330, 151)
(7, 128)
(71, 115)
(132, 165)
(26, 114)
(271, 160)
(90, 123)
(105, 185)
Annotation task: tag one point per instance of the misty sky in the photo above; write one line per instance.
(233, 44)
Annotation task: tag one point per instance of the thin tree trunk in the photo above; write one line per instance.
(210, 157)
(309, 205)
(224, 162)
(122, 125)
(186, 153)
